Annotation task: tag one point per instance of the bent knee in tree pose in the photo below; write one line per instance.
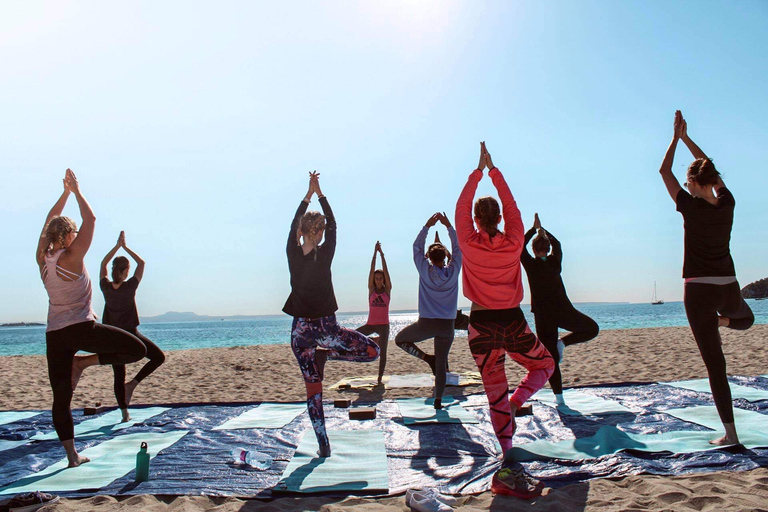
(497, 327)
(549, 301)
(120, 311)
(71, 326)
(712, 295)
(316, 336)
(438, 295)
(379, 293)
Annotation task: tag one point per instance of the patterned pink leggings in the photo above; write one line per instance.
(492, 333)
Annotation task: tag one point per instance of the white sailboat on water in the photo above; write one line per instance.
(655, 301)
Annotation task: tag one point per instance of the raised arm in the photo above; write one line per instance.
(420, 245)
(387, 280)
(525, 255)
(465, 225)
(79, 247)
(293, 238)
(139, 272)
(557, 249)
(330, 220)
(111, 254)
(692, 147)
(673, 186)
(372, 272)
(454, 256)
(42, 243)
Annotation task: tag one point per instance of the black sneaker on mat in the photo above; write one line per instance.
(31, 501)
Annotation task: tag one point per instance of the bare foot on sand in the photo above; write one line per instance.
(130, 387)
(77, 461)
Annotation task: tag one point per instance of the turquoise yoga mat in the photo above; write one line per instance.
(422, 410)
(14, 416)
(110, 460)
(737, 391)
(580, 403)
(358, 463)
(751, 426)
(106, 424)
(9, 445)
(264, 416)
(610, 440)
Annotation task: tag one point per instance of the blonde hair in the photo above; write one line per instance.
(311, 224)
(58, 229)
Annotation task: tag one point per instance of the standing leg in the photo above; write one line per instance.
(546, 330)
(701, 303)
(442, 348)
(118, 371)
(383, 332)
(486, 347)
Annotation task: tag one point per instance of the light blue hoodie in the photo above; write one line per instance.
(438, 287)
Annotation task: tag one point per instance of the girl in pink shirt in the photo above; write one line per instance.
(379, 289)
(492, 281)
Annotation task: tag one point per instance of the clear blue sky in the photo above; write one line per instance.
(192, 126)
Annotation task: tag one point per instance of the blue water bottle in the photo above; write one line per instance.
(142, 464)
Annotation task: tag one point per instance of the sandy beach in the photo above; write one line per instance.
(270, 373)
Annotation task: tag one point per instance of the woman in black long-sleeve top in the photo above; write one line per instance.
(550, 304)
(315, 334)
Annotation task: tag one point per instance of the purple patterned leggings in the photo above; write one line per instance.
(339, 343)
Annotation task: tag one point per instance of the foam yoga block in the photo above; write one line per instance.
(422, 410)
(737, 391)
(358, 463)
(110, 460)
(362, 413)
(580, 403)
(106, 424)
(264, 416)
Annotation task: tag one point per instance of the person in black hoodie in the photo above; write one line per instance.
(549, 302)
(316, 336)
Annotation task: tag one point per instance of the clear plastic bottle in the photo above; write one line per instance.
(255, 459)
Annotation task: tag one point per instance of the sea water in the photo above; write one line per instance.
(276, 329)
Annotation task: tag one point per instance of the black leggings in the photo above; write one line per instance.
(112, 345)
(382, 340)
(156, 358)
(582, 328)
(442, 331)
(703, 304)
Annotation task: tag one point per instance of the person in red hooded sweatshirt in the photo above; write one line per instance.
(492, 281)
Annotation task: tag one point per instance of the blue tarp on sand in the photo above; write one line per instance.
(458, 458)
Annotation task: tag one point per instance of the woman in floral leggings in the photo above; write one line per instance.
(316, 336)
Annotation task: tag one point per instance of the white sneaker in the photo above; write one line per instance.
(560, 350)
(429, 500)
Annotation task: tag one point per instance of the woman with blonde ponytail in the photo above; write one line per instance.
(71, 320)
(120, 311)
(316, 336)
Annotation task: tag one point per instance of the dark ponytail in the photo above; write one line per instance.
(703, 172)
(119, 265)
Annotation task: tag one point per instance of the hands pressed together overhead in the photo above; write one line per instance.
(438, 217)
(485, 158)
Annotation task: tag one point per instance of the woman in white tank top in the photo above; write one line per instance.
(71, 320)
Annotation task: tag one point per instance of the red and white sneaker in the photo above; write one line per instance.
(515, 481)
